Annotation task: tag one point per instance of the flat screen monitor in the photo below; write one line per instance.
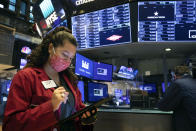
(49, 14)
(163, 86)
(81, 88)
(102, 71)
(118, 93)
(127, 72)
(103, 27)
(150, 88)
(84, 66)
(4, 89)
(161, 21)
(97, 91)
(23, 62)
(26, 50)
(21, 51)
(114, 68)
(63, 23)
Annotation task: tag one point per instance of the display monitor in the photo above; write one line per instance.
(63, 23)
(163, 86)
(4, 89)
(103, 27)
(84, 66)
(118, 93)
(114, 68)
(26, 50)
(49, 14)
(23, 62)
(127, 72)
(81, 88)
(161, 21)
(102, 71)
(97, 91)
(150, 88)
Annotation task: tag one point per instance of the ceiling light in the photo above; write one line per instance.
(1, 6)
(167, 49)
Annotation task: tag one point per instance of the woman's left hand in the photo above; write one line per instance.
(88, 114)
(89, 117)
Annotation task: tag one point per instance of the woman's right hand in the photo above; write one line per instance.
(59, 95)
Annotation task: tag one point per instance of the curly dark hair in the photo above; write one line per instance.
(40, 55)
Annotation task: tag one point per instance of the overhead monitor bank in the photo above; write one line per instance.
(158, 21)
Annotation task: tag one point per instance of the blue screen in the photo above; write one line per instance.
(114, 68)
(167, 21)
(97, 91)
(4, 88)
(81, 88)
(118, 93)
(104, 27)
(84, 66)
(102, 71)
(57, 24)
(23, 62)
(127, 73)
(150, 88)
(163, 86)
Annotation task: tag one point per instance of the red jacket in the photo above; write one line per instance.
(27, 91)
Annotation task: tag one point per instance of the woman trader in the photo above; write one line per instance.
(34, 102)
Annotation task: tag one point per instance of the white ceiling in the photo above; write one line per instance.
(141, 50)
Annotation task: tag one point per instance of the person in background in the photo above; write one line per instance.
(180, 98)
(45, 91)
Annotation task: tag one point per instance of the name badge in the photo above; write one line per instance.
(49, 84)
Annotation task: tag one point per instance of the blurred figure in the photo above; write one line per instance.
(180, 98)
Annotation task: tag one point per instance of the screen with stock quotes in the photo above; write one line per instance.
(167, 21)
(103, 27)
